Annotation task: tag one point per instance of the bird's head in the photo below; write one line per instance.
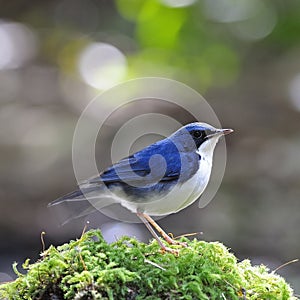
(200, 137)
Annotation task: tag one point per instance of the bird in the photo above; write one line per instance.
(162, 178)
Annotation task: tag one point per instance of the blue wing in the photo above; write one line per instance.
(133, 169)
(136, 168)
(135, 176)
(138, 180)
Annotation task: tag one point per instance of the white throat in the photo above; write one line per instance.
(206, 149)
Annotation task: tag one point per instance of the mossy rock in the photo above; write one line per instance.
(89, 268)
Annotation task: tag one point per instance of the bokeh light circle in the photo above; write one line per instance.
(102, 65)
(294, 91)
(18, 45)
(177, 3)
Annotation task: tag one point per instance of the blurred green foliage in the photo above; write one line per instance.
(182, 43)
(176, 42)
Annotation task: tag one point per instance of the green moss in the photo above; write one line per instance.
(89, 268)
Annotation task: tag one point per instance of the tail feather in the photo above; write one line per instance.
(80, 194)
(73, 196)
(79, 203)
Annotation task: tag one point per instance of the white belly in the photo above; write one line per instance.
(181, 196)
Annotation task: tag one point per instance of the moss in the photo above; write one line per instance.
(89, 268)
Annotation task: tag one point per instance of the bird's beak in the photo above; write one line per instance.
(225, 131)
(220, 132)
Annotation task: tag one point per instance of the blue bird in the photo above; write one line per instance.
(163, 178)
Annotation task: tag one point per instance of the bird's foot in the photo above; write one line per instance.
(174, 242)
(170, 240)
(170, 250)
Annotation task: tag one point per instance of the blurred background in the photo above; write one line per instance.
(242, 56)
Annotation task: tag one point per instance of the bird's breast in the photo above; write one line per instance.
(195, 186)
(180, 195)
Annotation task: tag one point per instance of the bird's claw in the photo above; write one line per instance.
(170, 250)
(174, 242)
(183, 244)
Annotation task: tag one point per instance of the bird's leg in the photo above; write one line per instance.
(163, 233)
(154, 234)
(151, 230)
(147, 219)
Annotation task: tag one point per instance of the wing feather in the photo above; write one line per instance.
(136, 167)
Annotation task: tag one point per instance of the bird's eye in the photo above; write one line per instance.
(197, 134)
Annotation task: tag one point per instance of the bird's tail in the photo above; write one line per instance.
(78, 203)
(76, 195)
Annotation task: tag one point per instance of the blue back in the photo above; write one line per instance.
(137, 178)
